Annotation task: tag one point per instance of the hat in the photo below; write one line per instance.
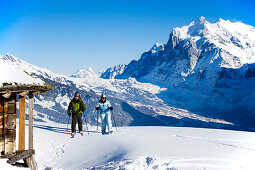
(77, 94)
(103, 95)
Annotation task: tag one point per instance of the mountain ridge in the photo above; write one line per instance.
(206, 67)
(134, 103)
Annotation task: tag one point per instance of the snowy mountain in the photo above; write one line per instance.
(12, 75)
(134, 103)
(111, 73)
(207, 68)
(83, 73)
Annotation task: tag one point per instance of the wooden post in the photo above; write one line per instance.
(30, 161)
(22, 109)
(31, 119)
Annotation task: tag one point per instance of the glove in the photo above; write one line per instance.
(111, 108)
(97, 108)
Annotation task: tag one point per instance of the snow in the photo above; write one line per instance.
(111, 73)
(10, 74)
(237, 40)
(142, 148)
(63, 101)
(156, 48)
(83, 73)
(6, 166)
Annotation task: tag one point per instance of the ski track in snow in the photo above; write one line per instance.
(143, 148)
(218, 141)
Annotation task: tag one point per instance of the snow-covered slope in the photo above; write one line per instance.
(207, 68)
(134, 103)
(143, 148)
(11, 75)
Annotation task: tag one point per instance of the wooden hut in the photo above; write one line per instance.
(8, 98)
(15, 86)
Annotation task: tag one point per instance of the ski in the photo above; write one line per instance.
(72, 135)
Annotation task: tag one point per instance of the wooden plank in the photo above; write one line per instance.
(7, 155)
(1, 127)
(37, 93)
(21, 155)
(12, 99)
(10, 141)
(11, 121)
(10, 147)
(22, 107)
(1, 145)
(23, 93)
(1, 124)
(7, 95)
(21, 88)
(11, 108)
(11, 135)
(1, 107)
(4, 129)
(11, 104)
(31, 119)
(30, 161)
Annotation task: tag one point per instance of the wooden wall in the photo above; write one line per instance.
(8, 124)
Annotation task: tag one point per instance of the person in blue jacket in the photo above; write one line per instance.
(104, 108)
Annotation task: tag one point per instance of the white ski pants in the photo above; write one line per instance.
(106, 121)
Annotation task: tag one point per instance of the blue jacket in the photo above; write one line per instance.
(104, 107)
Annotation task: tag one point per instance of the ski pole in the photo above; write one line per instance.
(114, 121)
(67, 124)
(97, 118)
(86, 123)
(68, 120)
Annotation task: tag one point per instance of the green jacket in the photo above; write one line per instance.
(76, 106)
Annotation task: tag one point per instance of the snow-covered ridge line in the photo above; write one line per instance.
(236, 38)
(12, 75)
(142, 96)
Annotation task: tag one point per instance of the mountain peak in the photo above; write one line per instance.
(11, 58)
(200, 20)
(83, 73)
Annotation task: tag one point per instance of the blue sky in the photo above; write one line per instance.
(64, 36)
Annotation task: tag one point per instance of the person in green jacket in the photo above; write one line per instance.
(75, 109)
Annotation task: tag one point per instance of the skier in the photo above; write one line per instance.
(75, 109)
(104, 107)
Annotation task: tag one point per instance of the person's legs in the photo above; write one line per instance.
(79, 118)
(73, 123)
(109, 121)
(103, 127)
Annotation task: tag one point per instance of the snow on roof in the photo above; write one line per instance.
(13, 75)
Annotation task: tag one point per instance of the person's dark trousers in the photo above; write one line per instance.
(76, 118)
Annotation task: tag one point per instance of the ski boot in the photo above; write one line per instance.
(72, 135)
